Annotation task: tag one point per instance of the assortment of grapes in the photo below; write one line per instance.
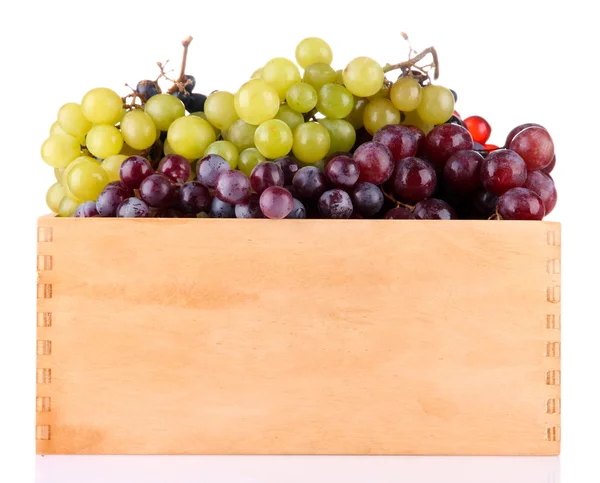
(290, 144)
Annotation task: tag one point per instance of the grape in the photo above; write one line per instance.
(134, 170)
(479, 128)
(356, 116)
(209, 168)
(232, 187)
(335, 101)
(249, 208)
(256, 74)
(311, 142)
(298, 211)
(405, 94)
(58, 172)
(102, 106)
(120, 185)
(265, 175)
(138, 129)
(203, 116)
(399, 213)
(445, 140)
(301, 97)
(190, 136)
(341, 134)
(72, 121)
(490, 147)
(104, 140)
(87, 209)
(220, 109)
(378, 113)
(129, 151)
(367, 198)
(437, 104)
(548, 169)
(383, 93)
(110, 199)
(312, 50)
(170, 213)
(54, 195)
(67, 207)
(412, 119)
(193, 198)
(226, 150)
(281, 74)
(319, 74)
(175, 167)
(339, 77)
(163, 109)
(56, 129)
(59, 150)
(112, 166)
(195, 102)
(335, 203)
(535, 146)
(157, 191)
(86, 180)
(461, 172)
(249, 159)
(433, 209)
(503, 170)
(520, 204)
(289, 166)
(413, 179)
(133, 208)
(241, 134)
(374, 162)
(69, 168)
(220, 209)
(485, 202)
(363, 76)
(542, 184)
(517, 130)
(276, 202)
(256, 102)
(273, 138)
(309, 183)
(289, 116)
(190, 83)
(342, 171)
(183, 96)
(147, 89)
(400, 140)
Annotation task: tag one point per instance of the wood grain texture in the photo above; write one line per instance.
(199, 336)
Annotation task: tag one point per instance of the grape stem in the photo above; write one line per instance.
(398, 203)
(182, 81)
(413, 61)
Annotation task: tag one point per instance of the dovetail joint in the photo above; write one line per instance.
(553, 378)
(42, 404)
(42, 432)
(44, 319)
(43, 376)
(553, 238)
(553, 349)
(44, 291)
(553, 433)
(44, 263)
(45, 234)
(553, 321)
(44, 347)
(553, 405)
(553, 294)
(553, 266)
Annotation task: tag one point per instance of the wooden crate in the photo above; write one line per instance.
(202, 336)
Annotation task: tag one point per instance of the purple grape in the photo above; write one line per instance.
(342, 171)
(276, 202)
(133, 208)
(461, 172)
(175, 167)
(433, 209)
(400, 140)
(548, 169)
(535, 146)
(485, 202)
(413, 179)
(399, 213)
(134, 170)
(249, 208)
(264, 175)
(232, 187)
(502, 170)
(220, 209)
(110, 199)
(335, 203)
(120, 185)
(298, 211)
(445, 140)
(520, 204)
(157, 191)
(420, 138)
(542, 184)
(193, 198)
(374, 162)
(290, 166)
(517, 130)
(209, 168)
(87, 209)
(309, 183)
(367, 198)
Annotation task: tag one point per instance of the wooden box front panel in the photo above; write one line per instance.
(199, 336)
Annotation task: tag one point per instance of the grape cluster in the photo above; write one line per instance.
(289, 144)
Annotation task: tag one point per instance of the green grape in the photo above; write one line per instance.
(384, 92)
(220, 109)
(138, 129)
(405, 94)
(301, 97)
(86, 180)
(102, 106)
(58, 172)
(341, 133)
(241, 134)
(59, 150)
(163, 109)
(226, 150)
(311, 142)
(104, 140)
(203, 116)
(68, 169)
(437, 104)
(339, 77)
(112, 166)
(412, 118)
(67, 207)
(190, 136)
(56, 129)
(319, 74)
(256, 74)
(273, 138)
(281, 74)
(54, 196)
(249, 159)
(363, 77)
(378, 113)
(358, 110)
(72, 121)
(289, 116)
(312, 50)
(335, 101)
(167, 149)
(256, 102)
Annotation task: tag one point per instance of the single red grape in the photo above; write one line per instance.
(535, 146)
(516, 130)
(87, 209)
(110, 199)
(133, 208)
(298, 211)
(400, 140)
(485, 202)
(221, 209)
(479, 128)
(520, 204)
(502, 170)
(445, 140)
(175, 167)
(209, 168)
(461, 172)
(342, 171)
(413, 179)
(335, 204)
(420, 137)
(399, 213)
(433, 209)
(374, 162)
(290, 166)
(264, 175)
(194, 198)
(157, 191)
(309, 183)
(367, 198)
(276, 202)
(548, 169)
(542, 184)
(232, 187)
(134, 170)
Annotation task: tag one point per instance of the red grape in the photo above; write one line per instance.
(400, 140)
(445, 140)
(120, 185)
(309, 183)
(520, 204)
(264, 175)
(479, 128)
(133, 208)
(110, 199)
(542, 184)
(374, 162)
(157, 191)
(249, 208)
(87, 209)
(175, 167)
(490, 147)
(548, 169)
(502, 170)
(399, 213)
(276, 202)
(367, 198)
(220, 209)
(413, 179)
(517, 130)
(290, 166)
(342, 171)
(298, 211)
(433, 209)
(209, 168)
(194, 198)
(485, 202)
(420, 137)
(335, 203)
(535, 146)
(461, 172)
(134, 170)
(232, 187)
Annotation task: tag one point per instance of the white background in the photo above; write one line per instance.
(511, 62)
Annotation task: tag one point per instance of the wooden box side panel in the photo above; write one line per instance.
(254, 337)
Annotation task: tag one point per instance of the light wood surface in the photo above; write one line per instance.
(181, 336)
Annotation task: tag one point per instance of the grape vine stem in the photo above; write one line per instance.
(398, 203)
(407, 64)
(182, 81)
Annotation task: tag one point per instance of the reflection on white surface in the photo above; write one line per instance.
(296, 469)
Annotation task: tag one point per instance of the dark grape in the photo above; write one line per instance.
(193, 197)
(485, 202)
(434, 209)
(309, 183)
(362, 137)
(147, 89)
(520, 204)
(276, 202)
(454, 94)
(502, 170)
(335, 203)
(535, 146)
(542, 184)
(342, 171)
(548, 169)
(134, 170)
(220, 209)
(249, 208)
(290, 166)
(399, 213)
(445, 140)
(413, 179)
(374, 162)
(461, 172)
(517, 130)
(175, 167)
(133, 208)
(367, 198)
(454, 119)
(157, 191)
(479, 128)
(195, 102)
(420, 137)
(111, 197)
(264, 175)
(400, 140)
(209, 168)
(169, 213)
(190, 83)
(87, 209)
(232, 187)
(298, 210)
